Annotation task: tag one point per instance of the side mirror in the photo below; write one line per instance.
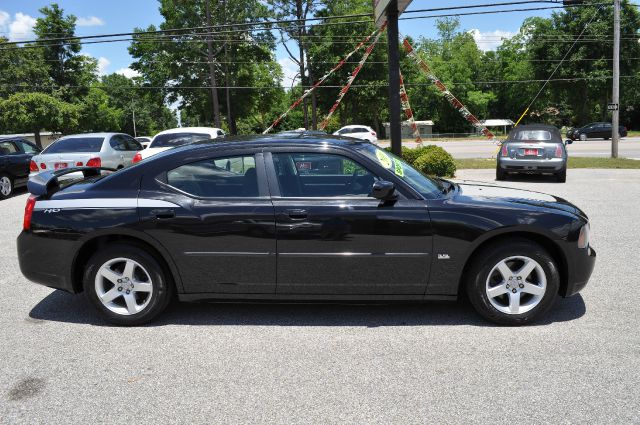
(384, 190)
(568, 142)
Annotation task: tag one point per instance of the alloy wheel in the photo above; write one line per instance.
(123, 286)
(516, 285)
(5, 186)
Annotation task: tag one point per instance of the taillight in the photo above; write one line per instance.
(43, 166)
(79, 164)
(94, 162)
(137, 158)
(33, 167)
(504, 151)
(558, 153)
(28, 212)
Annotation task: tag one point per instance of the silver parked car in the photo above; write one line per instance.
(111, 150)
(533, 149)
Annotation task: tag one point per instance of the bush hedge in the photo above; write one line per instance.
(431, 160)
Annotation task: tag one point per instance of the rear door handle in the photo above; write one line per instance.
(164, 214)
(296, 214)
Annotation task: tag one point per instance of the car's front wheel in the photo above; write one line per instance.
(6, 186)
(513, 283)
(127, 284)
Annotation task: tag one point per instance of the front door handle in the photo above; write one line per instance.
(164, 214)
(296, 214)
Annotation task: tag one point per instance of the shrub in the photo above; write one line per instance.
(435, 161)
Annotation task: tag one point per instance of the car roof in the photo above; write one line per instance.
(76, 136)
(189, 130)
(355, 125)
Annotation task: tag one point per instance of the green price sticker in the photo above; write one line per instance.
(383, 158)
(398, 168)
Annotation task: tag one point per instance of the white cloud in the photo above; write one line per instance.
(490, 40)
(291, 72)
(128, 72)
(21, 28)
(4, 20)
(89, 21)
(103, 64)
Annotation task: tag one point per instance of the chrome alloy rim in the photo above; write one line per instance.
(123, 286)
(516, 285)
(5, 186)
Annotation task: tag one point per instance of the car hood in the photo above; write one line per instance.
(484, 192)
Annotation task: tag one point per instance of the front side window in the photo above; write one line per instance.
(27, 147)
(228, 177)
(424, 185)
(317, 175)
(75, 145)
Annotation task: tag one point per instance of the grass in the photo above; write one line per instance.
(574, 162)
(633, 133)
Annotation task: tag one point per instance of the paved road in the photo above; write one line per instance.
(629, 147)
(289, 364)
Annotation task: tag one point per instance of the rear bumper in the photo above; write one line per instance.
(552, 165)
(580, 271)
(46, 261)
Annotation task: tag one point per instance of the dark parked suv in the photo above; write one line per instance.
(595, 130)
(15, 158)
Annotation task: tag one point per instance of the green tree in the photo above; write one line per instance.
(22, 69)
(70, 72)
(33, 112)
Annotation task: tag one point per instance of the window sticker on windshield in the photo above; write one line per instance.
(398, 168)
(383, 158)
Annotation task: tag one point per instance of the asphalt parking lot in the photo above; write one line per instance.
(270, 363)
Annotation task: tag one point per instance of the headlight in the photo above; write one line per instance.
(583, 239)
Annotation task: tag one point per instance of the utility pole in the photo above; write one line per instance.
(212, 68)
(395, 129)
(615, 122)
(133, 110)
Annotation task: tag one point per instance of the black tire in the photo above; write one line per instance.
(6, 178)
(500, 175)
(161, 283)
(478, 274)
(561, 177)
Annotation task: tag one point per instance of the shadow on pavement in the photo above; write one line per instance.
(60, 306)
(533, 178)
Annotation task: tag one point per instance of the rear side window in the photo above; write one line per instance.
(228, 177)
(76, 144)
(311, 175)
(8, 148)
(118, 143)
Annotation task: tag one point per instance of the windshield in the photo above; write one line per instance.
(177, 139)
(75, 145)
(426, 186)
(532, 135)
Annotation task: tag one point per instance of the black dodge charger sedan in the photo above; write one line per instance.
(298, 217)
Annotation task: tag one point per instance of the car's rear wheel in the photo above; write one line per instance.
(561, 177)
(583, 137)
(514, 283)
(500, 175)
(127, 284)
(6, 186)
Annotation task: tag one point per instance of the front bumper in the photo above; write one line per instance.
(544, 165)
(581, 266)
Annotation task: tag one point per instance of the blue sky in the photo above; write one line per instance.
(112, 16)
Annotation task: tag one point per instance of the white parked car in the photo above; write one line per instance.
(144, 141)
(177, 137)
(361, 132)
(111, 150)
